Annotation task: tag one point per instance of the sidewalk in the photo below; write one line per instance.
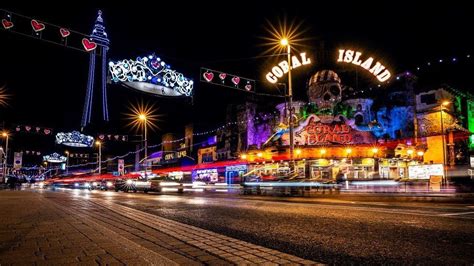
(50, 228)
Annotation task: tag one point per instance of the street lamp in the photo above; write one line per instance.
(285, 42)
(5, 135)
(443, 104)
(143, 118)
(67, 162)
(99, 144)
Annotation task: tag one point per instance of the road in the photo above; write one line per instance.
(324, 230)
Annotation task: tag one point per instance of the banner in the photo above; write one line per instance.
(121, 168)
(18, 160)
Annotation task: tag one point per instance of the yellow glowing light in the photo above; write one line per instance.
(141, 114)
(66, 152)
(420, 153)
(445, 103)
(375, 150)
(98, 143)
(259, 154)
(3, 97)
(243, 156)
(5, 134)
(410, 151)
(298, 151)
(348, 151)
(282, 35)
(322, 151)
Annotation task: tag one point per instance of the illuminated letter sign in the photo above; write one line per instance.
(283, 67)
(355, 57)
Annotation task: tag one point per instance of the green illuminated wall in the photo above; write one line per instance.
(470, 122)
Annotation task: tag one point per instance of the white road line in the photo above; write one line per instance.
(456, 213)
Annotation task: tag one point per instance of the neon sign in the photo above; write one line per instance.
(283, 67)
(354, 57)
(318, 133)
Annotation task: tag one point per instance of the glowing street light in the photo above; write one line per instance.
(375, 150)
(143, 116)
(285, 43)
(5, 135)
(99, 144)
(243, 156)
(67, 161)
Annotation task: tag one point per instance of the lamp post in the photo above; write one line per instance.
(284, 42)
(67, 162)
(5, 135)
(99, 159)
(443, 104)
(143, 118)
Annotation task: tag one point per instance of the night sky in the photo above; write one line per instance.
(47, 83)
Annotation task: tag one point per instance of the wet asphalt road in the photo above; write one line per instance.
(327, 231)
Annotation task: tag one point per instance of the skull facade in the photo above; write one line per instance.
(325, 89)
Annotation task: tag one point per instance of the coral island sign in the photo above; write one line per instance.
(356, 58)
(327, 131)
(283, 67)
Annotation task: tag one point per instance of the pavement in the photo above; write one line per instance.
(41, 227)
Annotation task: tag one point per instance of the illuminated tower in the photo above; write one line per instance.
(99, 36)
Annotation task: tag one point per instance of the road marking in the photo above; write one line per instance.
(456, 213)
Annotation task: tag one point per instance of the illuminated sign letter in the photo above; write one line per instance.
(341, 54)
(284, 66)
(367, 63)
(356, 60)
(377, 68)
(349, 56)
(271, 78)
(306, 61)
(384, 76)
(295, 62)
(277, 71)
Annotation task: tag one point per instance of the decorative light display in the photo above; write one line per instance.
(444, 60)
(355, 57)
(283, 67)
(53, 33)
(227, 80)
(37, 26)
(54, 158)
(112, 137)
(151, 74)
(74, 139)
(33, 129)
(100, 39)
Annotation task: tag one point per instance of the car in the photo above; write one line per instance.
(106, 185)
(125, 185)
(156, 184)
